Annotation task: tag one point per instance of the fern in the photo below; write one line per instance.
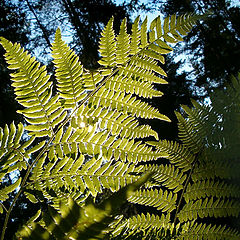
(94, 144)
(34, 91)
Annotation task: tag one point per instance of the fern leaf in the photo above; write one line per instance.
(133, 86)
(73, 221)
(120, 124)
(33, 90)
(189, 135)
(204, 231)
(144, 40)
(122, 49)
(125, 103)
(144, 223)
(199, 208)
(13, 154)
(68, 72)
(107, 45)
(210, 170)
(162, 200)
(209, 188)
(177, 153)
(6, 190)
(167, 176)
(155, 29)
(78, 175)
(135, 37)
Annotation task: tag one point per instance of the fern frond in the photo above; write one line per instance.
(122, 48)
(73, 221)
(125, 103)
(145, 223)
(132, 85)
(88, 177)
(208, 231)
(107, 45)
(91, 143)
(167, 176)
(207, 188)
(177, 153)
(189, 135)
(13, 154)
(162, 200)
(210, 170)
(135, 37)
(208, 208)
(68, 72)
(6, 190)
(120, 124)
(33, 90)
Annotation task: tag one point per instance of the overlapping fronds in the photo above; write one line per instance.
(209, 188)
(143, 223)
(92, 143)
(177, 153)
(162, 200)
(167, 176)
(87, 141)
(208, 207)
(120, 124)
(33, 91)
(132, 85)
(74, 222)
(11, 151)
(13, 156)
(82, 176)
(125, 103)
(207, 231)
(136, 44)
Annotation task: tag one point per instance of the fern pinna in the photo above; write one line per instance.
(88, 140)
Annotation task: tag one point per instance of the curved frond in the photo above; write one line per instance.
(33, 90)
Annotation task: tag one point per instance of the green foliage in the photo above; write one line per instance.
(90, 141)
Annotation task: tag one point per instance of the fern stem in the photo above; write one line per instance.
(3, 207)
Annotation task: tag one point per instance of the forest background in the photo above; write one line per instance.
(204, 62)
